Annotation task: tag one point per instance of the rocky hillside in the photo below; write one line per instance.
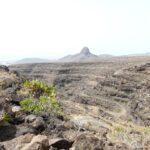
(24, 130)
(106, 103)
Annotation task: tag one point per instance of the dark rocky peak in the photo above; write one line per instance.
(85, 51)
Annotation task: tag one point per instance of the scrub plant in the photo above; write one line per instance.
(40, 98)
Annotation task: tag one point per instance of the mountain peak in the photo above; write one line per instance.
(84, 55)
(85, 50)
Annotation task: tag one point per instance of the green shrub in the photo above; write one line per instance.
(37, 88)
(41, 98)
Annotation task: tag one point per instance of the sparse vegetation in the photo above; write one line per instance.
(119, 129)
(146, 130)
(41, 97)
(37, 88)
(130, 133)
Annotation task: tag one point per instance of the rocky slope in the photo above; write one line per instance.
(20, 130)
(106, 102)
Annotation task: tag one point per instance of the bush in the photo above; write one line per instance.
(41, 98)
(37, 88)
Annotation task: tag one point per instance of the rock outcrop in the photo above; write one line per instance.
(27, 142)
(84, 55)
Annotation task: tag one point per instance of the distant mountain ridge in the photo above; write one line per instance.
(31, 60)
(83, 56)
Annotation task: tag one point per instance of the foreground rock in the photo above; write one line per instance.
(27, 142)
(16, 109)
(59, 143)
(7, 131)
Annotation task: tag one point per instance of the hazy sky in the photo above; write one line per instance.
(54, 28)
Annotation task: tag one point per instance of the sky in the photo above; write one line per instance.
(55, 28)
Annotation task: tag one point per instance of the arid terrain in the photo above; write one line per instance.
(106, 103)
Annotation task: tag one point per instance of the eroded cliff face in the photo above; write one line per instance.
(106, 103)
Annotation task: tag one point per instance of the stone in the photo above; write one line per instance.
(30, 118)
(22, 130)
(16, 109)
(39, 142)
(2, 147)
(118, 73)
(7, 131)
(27, 142)
(60, 143)
(38, 123)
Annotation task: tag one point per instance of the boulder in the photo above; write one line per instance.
(60, 143)
(16, 109)
(38, 123)
(39, 142)
(27, 142)
(22, 130)
(35, 122)
(30, 118)
(7, 131)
